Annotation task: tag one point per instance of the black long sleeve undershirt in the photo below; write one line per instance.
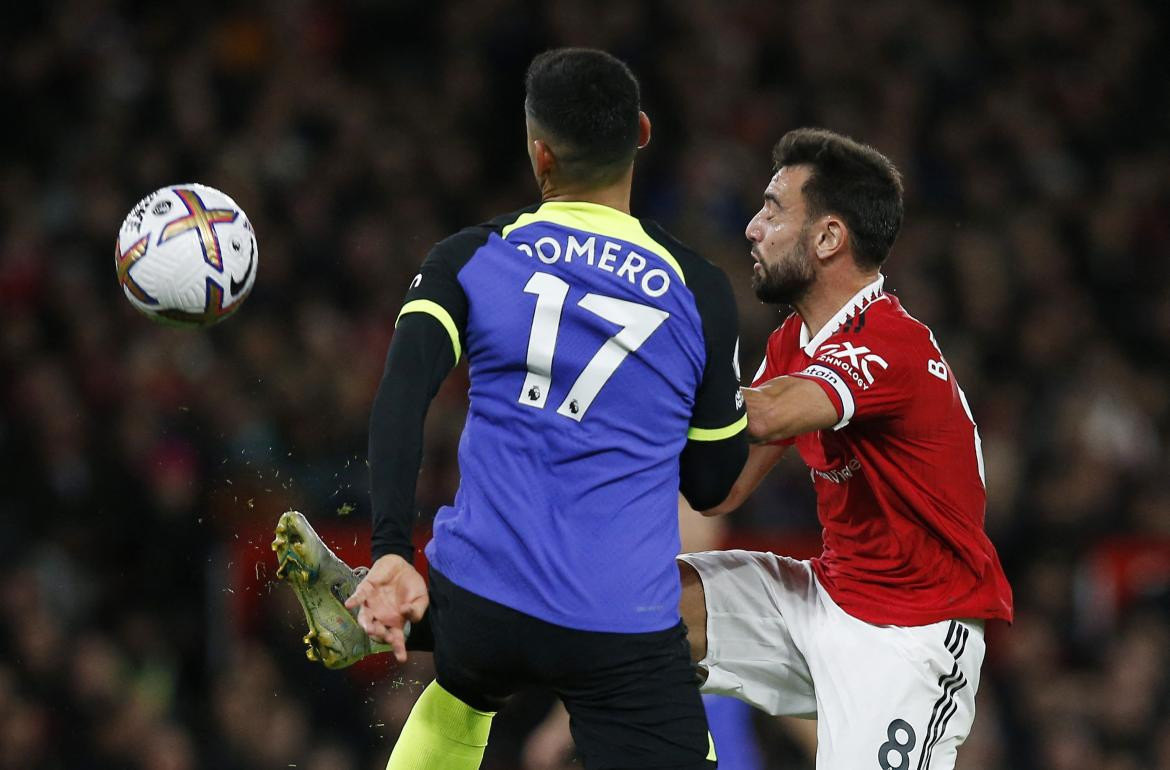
(708, 469)
(419, 359)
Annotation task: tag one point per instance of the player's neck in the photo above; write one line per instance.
(827, 297)
(601, 197)
(615, 196)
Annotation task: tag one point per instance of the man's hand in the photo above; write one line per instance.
(390, 594)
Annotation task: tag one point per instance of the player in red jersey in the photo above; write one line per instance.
(881, 637)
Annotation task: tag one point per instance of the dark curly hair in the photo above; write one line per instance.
(853, 181)
(588, 101)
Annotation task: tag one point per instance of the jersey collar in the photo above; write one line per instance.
(860, 301)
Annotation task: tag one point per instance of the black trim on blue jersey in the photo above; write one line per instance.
(708, 469)
(419, 359)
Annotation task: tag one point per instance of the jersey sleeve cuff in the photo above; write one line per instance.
(440, 314)
(717, 434)
(835, 388)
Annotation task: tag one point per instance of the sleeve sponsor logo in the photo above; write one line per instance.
(848, 406)
(828, 375)
(857, 362)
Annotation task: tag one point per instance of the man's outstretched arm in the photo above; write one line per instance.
(779, 409)
(420, 356)
(717, 441)
(427, 343)
(786, 407)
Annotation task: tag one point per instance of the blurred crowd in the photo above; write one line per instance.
(141, 467)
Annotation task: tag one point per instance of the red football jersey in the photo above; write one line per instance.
(899, 479)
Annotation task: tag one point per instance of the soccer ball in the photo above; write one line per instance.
(186, 256)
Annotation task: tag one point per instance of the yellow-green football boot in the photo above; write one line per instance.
(322, 583)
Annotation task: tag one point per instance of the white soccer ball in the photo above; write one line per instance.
(186, 255)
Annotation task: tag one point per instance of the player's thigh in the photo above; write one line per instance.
(894, 698)
(475, 652)
(755, 604)
(637, 705)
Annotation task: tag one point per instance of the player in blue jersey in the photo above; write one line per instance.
(603, 381)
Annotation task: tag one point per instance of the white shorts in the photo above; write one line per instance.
(885, 697)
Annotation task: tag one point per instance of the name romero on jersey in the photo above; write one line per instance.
(601, 254)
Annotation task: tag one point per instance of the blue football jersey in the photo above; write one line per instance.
(597, 346)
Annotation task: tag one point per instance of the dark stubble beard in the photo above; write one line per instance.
(788, 279)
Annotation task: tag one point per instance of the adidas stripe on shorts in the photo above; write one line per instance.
(885, 697)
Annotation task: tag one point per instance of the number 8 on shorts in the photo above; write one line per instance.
(897, 749)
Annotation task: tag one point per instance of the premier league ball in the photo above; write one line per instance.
(186, 255)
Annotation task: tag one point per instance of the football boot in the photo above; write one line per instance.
(322, 582)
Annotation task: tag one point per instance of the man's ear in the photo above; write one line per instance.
(832, 237)
(643, 129)
(544, 161)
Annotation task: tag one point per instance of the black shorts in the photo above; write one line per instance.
(632, 699)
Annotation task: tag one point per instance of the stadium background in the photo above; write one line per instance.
(143, 467)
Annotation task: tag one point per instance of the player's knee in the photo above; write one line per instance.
(692, 607)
